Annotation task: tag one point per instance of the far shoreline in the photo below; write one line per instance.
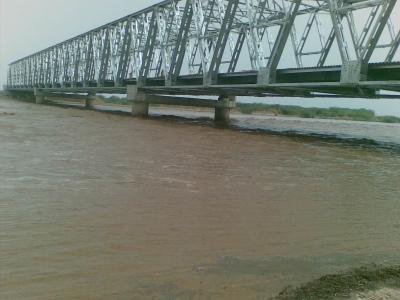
(269, 110)
(277, 110)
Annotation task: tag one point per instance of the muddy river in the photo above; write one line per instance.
(98, 205)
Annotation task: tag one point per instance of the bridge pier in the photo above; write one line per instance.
(39, 96)
(140, 108)
(140, 103)
(223, 109)
(89, 100)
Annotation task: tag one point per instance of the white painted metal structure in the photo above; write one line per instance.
(209, 43)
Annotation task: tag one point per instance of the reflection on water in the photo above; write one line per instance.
(104, 206)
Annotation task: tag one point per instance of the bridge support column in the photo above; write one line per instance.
(140, 103)
(353, 71)
(39, 96)
(140, 109)
(89, 100)
(223, 109)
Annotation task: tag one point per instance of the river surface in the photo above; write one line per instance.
(100, 205)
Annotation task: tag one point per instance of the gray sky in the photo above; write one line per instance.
(27, 26)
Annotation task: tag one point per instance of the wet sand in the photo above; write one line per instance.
(104, 206)
(381, 294)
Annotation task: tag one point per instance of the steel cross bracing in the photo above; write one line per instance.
(259, 47)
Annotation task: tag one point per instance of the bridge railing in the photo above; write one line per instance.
(178, 39)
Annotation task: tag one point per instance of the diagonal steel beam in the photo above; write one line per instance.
(223, 36)
(377, 30)
(283, 35)
(179, 51)
(148, 49)
(393, 49)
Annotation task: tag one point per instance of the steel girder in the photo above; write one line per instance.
(209, 37)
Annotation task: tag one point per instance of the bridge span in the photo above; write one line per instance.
(225, 48)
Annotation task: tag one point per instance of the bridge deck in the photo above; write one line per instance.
(305, 82)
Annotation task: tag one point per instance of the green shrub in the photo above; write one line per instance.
(315, 112)
(388, 119)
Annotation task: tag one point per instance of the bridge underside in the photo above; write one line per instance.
(306, 82)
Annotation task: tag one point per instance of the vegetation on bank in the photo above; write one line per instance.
(315, 112)
(115, 100)
(342, 286)
(296, 111)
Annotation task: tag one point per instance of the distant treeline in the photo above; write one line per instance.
(315, 112)
(296, 111)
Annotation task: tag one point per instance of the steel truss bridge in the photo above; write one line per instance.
(305, 48)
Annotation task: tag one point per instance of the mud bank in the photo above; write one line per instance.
(368, 282)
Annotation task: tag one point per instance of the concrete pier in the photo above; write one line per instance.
(223, 109)
(89, 100)
(140, 103)
(39, 96)
(141, 100)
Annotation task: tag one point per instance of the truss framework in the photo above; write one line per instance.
(208, 37)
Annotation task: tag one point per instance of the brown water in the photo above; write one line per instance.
(102, 206)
